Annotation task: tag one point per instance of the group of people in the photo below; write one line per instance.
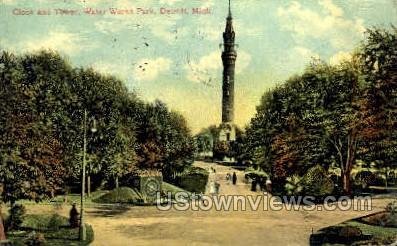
(264, 185)
(232, 177)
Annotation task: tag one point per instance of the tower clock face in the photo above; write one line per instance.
(151, 186)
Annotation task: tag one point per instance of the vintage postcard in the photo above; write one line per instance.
(198, 122)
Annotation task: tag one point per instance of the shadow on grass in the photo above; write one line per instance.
(108, 210)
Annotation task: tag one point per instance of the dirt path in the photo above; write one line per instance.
(117, 225)
(226, 187)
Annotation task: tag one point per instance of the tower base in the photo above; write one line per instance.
(227, 132)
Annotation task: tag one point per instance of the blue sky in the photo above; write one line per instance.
(176, 58)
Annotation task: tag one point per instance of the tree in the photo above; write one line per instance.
(309, 120)
(379, 64)
(165, 141)
(43, 100)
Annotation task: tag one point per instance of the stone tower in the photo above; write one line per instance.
(229, 55)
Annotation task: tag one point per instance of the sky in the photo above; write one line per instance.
(176, 58)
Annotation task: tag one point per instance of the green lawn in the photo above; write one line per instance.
(379, 235)
(69, 198)
(378, 232)
(55, 229)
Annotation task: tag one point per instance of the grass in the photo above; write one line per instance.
(379, 232)
(69, 198)
(57, 233)
(380, 235)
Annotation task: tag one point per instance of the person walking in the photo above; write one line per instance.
(234, 178)
(268, 185)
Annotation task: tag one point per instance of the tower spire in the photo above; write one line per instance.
(230, 11)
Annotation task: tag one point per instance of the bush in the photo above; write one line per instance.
(348, 232)
(194, 179)
(120, 195)
(379, 179)
(35, 239)
(17, 213)
(294, 187)
(392, 177)
(255, 174)
(166, 187)
(317, 183)
(56, 222)
(364, 179)
(42, 222)
(392, 207)
(221, 150)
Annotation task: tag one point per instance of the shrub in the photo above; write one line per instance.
(221, 150)
(379, 179)
(194, 179)
(294, 186)
(17, 213)
(166, 187)
(120, 195)
(349, 232)
(56, 222)
(364, 179)
(392, 177)
(35, 239)
(90, 234)
(317, 183)
(392, 207)
(255, 174)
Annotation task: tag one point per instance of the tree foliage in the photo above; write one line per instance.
(330, 115)
(43, 100)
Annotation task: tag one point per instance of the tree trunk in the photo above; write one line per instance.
(2, 232)
(346, 183)
(117, 182)
(88, 185)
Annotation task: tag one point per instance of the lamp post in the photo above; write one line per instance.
(83, 230)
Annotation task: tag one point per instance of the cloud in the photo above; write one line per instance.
(150, 69)
(119, 70)
(210, 66)
(340, 57)
(328, 24)
(61, 41)
(294, 60)
(332, 9)
(304, 53)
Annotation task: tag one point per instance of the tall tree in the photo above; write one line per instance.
(379, 58)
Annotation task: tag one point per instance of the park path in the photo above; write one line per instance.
(128, 225)
(219, 176)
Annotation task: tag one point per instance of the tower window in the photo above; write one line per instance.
(228, 136)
